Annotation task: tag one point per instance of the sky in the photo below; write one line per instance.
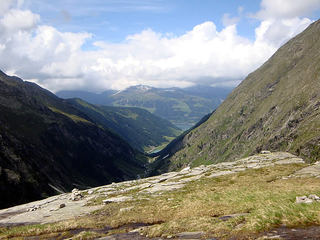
(96, 45)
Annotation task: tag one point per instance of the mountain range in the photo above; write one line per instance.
(183, 107)
(47, 146)
(50, 145)
(277, 107)
(141, 129)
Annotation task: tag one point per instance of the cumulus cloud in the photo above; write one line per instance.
(227, 20)
(5, 5)
(56, 60)
(16, 19)
(286, 8)
(276, 32)
(282, 19)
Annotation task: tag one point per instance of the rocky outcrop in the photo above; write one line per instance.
(76, 195)
(82, 202)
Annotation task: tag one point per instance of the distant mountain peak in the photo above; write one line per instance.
(141, 87)
(183, 107)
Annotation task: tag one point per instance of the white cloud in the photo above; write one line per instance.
(5, 5)
(287, 8)
(227, 20)
(16, 19)
(57, 61)
(277, 32)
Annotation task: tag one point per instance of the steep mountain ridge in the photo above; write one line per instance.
(140, 128)
(276, 107)
(47, 145)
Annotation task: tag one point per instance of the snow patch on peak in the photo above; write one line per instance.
(143, 88)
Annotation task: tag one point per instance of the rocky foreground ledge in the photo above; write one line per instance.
(78, 203)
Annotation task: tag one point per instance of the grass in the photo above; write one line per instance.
(153, 149)
(266, 200)
(73, 117)
(253, 117)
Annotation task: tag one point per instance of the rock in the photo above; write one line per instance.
(62, 205)
(125, 209)
(314, 197)
(228, 217)
(34, 208)
(220, 173)
(185, 169)
(90, 192)
(265, 152)
(76, 195)
(290, 161)
(190, 235)
(116, 199)
(162, 180)
(310, 171)
(277, 237)
(304, 199)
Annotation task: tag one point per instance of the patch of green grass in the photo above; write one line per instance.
(73, 117)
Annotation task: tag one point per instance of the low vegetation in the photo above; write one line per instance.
(73, 117)
(241, 205)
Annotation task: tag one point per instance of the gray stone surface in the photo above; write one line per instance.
(310, 171)
(304, 199)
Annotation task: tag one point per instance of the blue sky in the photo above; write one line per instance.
(101, 44)
(113, 20)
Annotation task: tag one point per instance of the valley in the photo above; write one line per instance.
(232, 153)
(49, 146)
(183, 107)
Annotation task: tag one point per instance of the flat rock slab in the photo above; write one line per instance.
(160, 188)
(221, 173)
(290, 161)
(117, 199)
(190, 235)
(49, 210)
(310, 171)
